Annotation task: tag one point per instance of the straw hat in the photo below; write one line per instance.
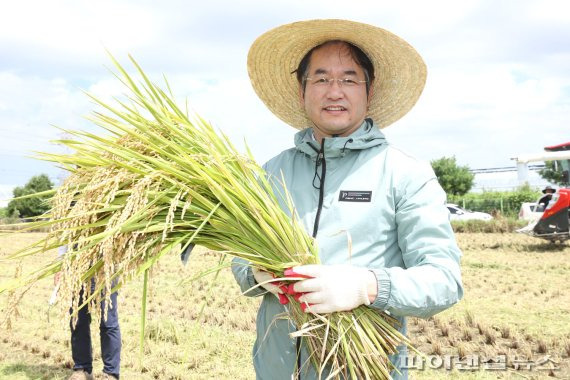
(399, 70)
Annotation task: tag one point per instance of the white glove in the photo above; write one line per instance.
(268, 282)
(331, 287)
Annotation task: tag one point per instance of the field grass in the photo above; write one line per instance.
(498, 224)
(516, 304)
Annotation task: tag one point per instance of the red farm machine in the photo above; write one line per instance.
(554, 224)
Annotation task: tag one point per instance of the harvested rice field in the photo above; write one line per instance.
(514, 320)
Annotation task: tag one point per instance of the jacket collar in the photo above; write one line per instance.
(366, 136)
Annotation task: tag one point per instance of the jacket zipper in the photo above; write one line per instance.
(320, 160)
(321, 157)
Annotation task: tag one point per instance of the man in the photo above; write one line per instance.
(377, 214)
(109, 332)
(545, 200)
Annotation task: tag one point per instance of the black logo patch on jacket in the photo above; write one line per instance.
(354, 196)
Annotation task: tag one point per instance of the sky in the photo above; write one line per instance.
(498, 71)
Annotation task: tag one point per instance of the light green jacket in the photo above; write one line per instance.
(400, 231)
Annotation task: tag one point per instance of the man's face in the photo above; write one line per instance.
(334, 109)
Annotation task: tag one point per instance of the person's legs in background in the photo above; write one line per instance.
(110, 334)
(81, 349)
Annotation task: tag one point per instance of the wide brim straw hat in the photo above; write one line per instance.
(400, 72)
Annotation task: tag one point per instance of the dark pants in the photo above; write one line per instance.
(110, 335)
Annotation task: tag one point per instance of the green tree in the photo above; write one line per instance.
(455, 179)
(551, 174)
(33, 206)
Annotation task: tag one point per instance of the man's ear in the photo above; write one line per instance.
(370, 94)
(301, 96)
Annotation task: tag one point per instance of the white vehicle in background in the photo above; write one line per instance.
(458, 213)
(531, 211)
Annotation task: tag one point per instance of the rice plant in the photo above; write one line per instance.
(160, 180)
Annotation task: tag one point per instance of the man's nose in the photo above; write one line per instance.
(335, 90)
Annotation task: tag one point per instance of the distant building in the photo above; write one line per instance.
(506, 179)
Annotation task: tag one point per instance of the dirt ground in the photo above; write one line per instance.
(514, 320)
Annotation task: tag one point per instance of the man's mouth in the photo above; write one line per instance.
(335, 108)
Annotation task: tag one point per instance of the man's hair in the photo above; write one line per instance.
(356, 54)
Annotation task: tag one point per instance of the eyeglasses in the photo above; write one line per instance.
(325, 82)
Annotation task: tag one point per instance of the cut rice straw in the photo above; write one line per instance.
(161, 179)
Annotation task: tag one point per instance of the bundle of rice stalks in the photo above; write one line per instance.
(159, 180)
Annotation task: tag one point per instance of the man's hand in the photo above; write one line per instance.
(267, 281)
(332, 287)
